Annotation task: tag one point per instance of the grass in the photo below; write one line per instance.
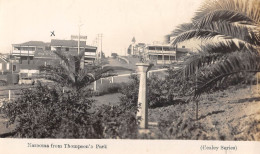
(112, 99)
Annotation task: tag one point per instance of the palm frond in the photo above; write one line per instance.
(219, 29)
(199, 60)
(81, 54)
(249, 8)
(62, 56)
(229, 16)
(212, 53)
(182, 29)
(236, 63)
(198, 34)
(227, 46)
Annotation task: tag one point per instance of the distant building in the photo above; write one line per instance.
(25, 52)
(164, 54)
(161, 54)
(30, 55)
(136, 49)
(71, 47)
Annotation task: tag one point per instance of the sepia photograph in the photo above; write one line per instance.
(143, 75)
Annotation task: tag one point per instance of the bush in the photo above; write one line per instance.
(158, 94)
(46, 112)
(109, 88)
(117, 121)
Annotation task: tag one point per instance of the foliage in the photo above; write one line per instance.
(180, 124)
(109, 88)
(46, 112)
(117, 121)
(159, 92)
(71, 74)
(219, 72)
(229, 30)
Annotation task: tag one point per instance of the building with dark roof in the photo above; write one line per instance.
(25, 52)
(30, 55)
(71, 47)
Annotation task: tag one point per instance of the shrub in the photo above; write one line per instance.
(109, 88)
(45, 112)
(158, 94)
(117, 121)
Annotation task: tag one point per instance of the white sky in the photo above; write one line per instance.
(118, 20)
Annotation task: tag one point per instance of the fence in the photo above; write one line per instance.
(12, 92)
(123, 78)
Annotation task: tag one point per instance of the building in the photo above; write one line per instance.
(71, 47)
(25, 52)
(160, 54)
(136, 49)
(30, 55)
(164, 54)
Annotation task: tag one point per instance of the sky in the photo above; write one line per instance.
(118, 20)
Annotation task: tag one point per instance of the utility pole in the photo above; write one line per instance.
(100, 37)
(79, 39)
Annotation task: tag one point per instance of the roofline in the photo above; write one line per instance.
(74, 46)
(166, 45)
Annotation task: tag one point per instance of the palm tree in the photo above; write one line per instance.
(70, 74)
(230, 32)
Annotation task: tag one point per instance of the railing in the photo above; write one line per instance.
(23, 52)
(122, 78)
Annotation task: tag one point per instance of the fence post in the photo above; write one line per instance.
(95, 85)
(9, 95)
(257, 87)
(112, 79)
(143, 68)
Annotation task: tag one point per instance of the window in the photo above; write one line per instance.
(67, 49)
(14, 68)
(172, 57)
(40, 48)
(47, 48)
(58, 48)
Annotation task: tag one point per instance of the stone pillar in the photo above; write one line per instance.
(143, 68)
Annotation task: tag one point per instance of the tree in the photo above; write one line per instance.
(230, 32)
(70, 74)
